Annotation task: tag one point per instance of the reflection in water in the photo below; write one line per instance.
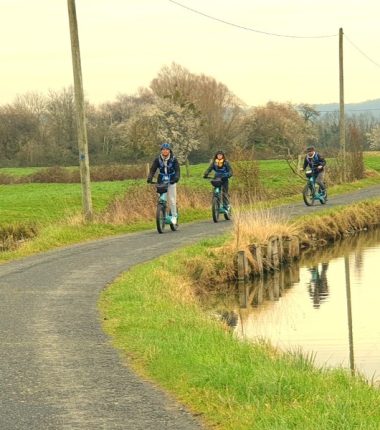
(315, 305)
(230, 318)
(349, 313)
(318, 286)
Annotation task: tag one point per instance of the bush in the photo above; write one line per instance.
(57, 174)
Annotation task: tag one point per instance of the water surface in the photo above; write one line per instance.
(328, 306)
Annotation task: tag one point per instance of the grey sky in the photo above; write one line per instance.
(124, 43)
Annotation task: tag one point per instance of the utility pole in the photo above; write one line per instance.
(84, 164)
(342, 123)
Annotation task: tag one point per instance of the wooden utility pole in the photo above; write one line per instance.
(342, 123)
(84, 164)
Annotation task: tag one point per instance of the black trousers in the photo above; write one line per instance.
(319, 179)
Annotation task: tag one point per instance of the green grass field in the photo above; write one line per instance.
(47, 203)
(50, 206)
(372, 160)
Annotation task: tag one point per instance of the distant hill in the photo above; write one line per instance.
(371, 107)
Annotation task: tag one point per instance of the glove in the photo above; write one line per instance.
(174, 180)
(149, 180)
(320, 167)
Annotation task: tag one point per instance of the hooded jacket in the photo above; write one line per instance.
(313, 162)
(222, 170)
(170, 168)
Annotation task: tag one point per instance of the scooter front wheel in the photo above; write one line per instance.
(160, 218)
(308, 195)
(215, 209)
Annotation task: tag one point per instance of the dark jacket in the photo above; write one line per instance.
(314, 162)
(223, 172)
(172, 169)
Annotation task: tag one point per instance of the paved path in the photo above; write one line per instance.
(57, 368)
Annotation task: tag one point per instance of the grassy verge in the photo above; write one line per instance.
(66, 233)
(153, 316)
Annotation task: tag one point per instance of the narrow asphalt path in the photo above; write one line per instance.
(58, 369)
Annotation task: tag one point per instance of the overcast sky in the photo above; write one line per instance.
(124, 43)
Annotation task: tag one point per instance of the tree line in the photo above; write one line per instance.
(197, 114)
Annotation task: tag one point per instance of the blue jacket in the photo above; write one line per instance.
(224, 172)
(314, 162)
(172, 169)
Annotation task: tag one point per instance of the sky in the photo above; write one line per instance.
(125, 43)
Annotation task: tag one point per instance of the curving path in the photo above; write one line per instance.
(58, 369)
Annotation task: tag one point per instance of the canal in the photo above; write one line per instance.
(327, 306)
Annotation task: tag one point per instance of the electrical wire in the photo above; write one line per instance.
(347, 109)
(280, 35)
(249, 28)
(362, 52)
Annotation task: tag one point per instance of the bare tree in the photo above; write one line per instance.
(279, 127)
(218, 107)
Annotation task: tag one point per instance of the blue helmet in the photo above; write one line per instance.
(165, 145)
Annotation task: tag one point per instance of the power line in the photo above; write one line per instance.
(249, 28)
(348, 110)
(362, 52)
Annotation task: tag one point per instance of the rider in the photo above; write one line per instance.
(317, 165)
(169, 170)
(223, 170)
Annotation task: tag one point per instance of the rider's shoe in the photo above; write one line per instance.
(174, 220)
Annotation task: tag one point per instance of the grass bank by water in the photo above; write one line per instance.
(152, 314)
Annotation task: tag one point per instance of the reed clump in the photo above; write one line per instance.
(257, 226)
(11, 235)
(218, 264)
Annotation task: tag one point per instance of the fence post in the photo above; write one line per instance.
(295, 244)
(291, 249)
(280, 250)
(242, 264)
(272, 252)
(258, 257)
